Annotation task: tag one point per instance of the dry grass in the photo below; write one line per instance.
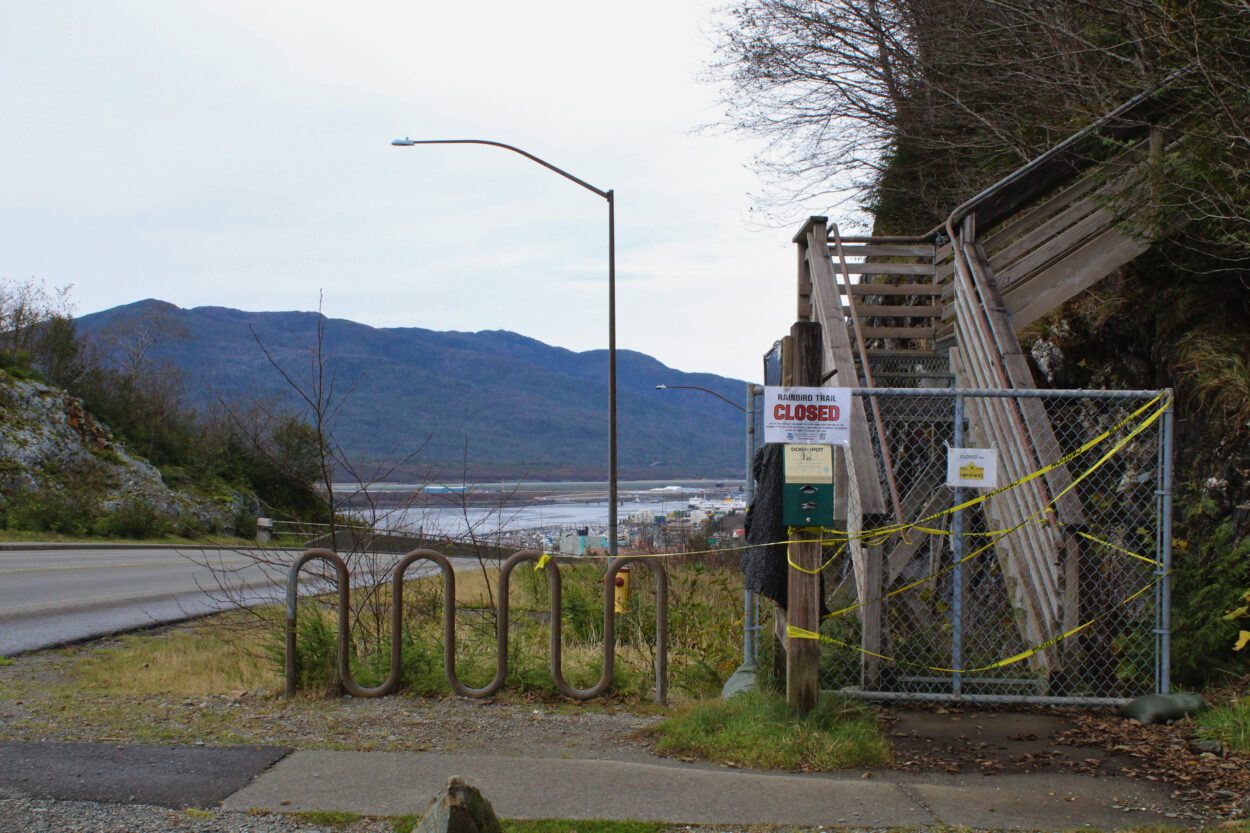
(215, 656)
(1217, 370)
(243, 651)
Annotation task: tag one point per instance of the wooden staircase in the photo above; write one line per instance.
(945, 308)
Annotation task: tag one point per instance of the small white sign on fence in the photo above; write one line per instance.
(975, 468)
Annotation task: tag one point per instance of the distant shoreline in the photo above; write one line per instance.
(540, 486)
(526, 491)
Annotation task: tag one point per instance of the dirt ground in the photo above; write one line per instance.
(39, 701)
(1089, 741)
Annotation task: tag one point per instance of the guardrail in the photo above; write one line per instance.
(449, 624)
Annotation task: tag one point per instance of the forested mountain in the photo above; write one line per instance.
(494, 402)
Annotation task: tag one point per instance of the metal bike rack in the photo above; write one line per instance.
(449, 624)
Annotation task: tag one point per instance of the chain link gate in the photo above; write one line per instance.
(1051, 588)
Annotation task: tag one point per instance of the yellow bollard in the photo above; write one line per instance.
(622, 591)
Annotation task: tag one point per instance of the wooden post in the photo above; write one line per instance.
(803, 588)
(870, 613)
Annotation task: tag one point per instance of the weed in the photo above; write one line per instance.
(1229, 724)
(756, 729)
(213, 657)
(580, 826)
(338, 819)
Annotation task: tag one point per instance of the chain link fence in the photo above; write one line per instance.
(1049, 587)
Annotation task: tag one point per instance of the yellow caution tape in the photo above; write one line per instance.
(1119, 548)
(1062, 461)
(879, 535)
(800, 633)
(1036, 517)
(541, 562)
(819, 569)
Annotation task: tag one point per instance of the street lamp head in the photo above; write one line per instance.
(661, 387)
(403, 143)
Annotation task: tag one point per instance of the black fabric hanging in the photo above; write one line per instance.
(764, 561)
(764, 564)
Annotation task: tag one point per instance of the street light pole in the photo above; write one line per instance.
(610, 196)
(705, 390)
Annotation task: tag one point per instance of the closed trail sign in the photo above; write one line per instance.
(972, 467)
(818, 416)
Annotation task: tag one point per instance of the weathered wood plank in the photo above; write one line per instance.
(860, 289)
(1056, 247)
(827, 308)
(889, 268)
(882, 250)
(1006, 261)
(1019, 224)
(1060, 551)
(896, 311)
(1022, 555)
(898, 352)
(1072, 274)
(995, 238)
(870, 618)
(898, 332)
(803, 584)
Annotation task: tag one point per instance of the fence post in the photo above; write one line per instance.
(1163, 632)
(803, 588)
(957, 555)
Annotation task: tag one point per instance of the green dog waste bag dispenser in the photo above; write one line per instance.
(807, 494)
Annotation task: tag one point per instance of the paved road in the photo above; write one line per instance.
(166, 776)
(51, 597)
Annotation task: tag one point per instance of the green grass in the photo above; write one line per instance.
(6, 661)
(42, 537)
(580, 826)
(405, 824)
(337, 819)
(757, 730)
(1229, 724)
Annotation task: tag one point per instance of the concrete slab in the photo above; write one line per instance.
(393, 783)
(166, 776)
(1047, 802)
(396, 783)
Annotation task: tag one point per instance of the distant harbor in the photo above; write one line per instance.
(550, 516)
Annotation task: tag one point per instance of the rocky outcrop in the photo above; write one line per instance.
(49, 441)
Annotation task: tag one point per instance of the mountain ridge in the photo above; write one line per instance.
(490, 402)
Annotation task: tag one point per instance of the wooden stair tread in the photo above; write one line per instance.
(871, 331)
(882, 250)
(895, 311)
(858, 289)
(899, 352)
(885, 268)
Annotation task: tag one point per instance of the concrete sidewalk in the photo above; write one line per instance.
(396, 783)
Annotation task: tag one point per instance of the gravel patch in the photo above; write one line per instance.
(37, 703)
(26, 815)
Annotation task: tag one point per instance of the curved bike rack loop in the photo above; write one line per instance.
(501, 630)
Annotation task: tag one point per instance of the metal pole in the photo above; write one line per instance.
(957, 554)
(1164, 655)
(748, 492)
(612, 486)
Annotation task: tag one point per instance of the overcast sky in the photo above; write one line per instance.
(238, 154)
